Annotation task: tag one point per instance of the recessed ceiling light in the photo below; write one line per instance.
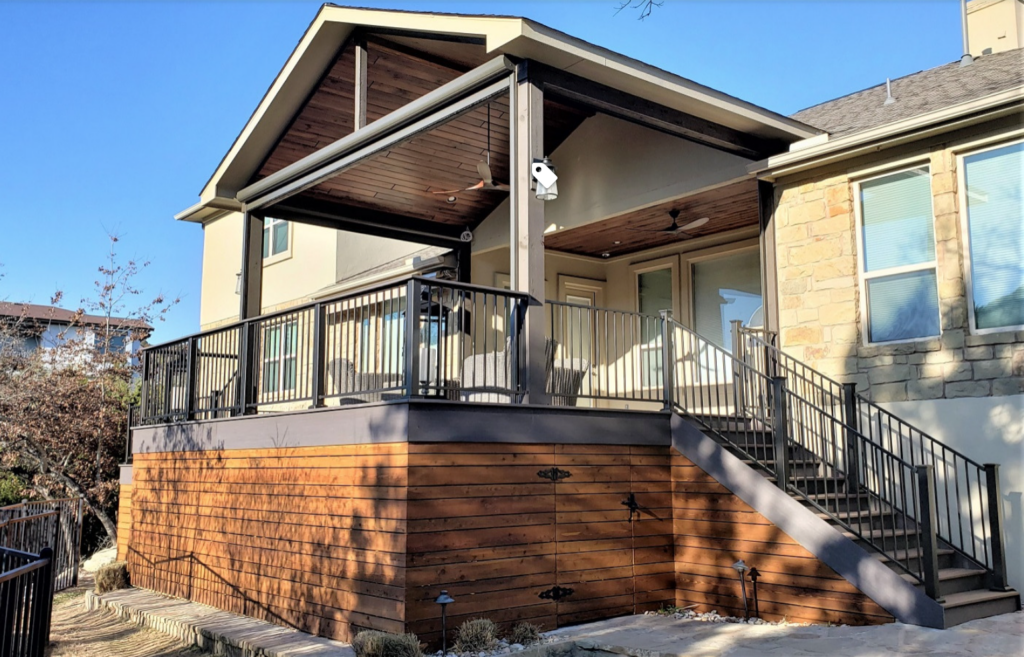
(617, 242)
(606, 255)
(452, 199)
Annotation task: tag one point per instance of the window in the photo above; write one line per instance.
(654, 294)
(897, 246)
(382, 343)
(279, 357)
(275, 237)
(994, 183)
(725, 288)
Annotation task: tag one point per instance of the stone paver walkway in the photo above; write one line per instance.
(660, 636)
(215, 631)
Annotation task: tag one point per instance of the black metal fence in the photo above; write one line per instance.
(55, 524)
(890, 457)
(26, 601)
(419, 337)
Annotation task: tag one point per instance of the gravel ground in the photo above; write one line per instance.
(75, 632)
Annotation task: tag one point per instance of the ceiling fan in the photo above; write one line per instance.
(675, 228)
(487, 182)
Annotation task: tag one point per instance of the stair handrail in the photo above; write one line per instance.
(783, 418)
(961, 483)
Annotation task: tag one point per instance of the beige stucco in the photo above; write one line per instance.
(995, 24)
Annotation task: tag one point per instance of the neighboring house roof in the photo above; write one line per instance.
(52, 314)
(501, 35)
(917, 94)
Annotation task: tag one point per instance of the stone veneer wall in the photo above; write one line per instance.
(819, 299)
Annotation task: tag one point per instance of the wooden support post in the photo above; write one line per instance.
(319, 351)
(738, 375)
(769, 254)
(464, 260)
(412, 338)
(928, 523)
(251, 290)
(527, 229)
(780, 432)
(360, 86)
(852, 421)
(668, 360)
(995, 524)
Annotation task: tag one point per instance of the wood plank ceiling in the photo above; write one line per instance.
(728, 207)
(401, 181)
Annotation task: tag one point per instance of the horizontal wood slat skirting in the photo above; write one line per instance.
(331, 539)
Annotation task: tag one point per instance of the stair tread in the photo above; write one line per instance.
(882, 533)
(847, 515)
(906, 554)
(976, 596)
(947, 574)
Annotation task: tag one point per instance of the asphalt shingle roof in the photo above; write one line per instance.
(918, 93)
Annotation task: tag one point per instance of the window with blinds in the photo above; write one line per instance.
(897, 236)
(994, 182)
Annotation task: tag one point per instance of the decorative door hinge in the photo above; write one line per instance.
(631, 504)
(555, 593)
(554, 474)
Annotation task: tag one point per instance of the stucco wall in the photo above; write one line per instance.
(609, 166)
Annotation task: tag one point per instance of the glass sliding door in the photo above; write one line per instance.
(727, 288)
(654, 294)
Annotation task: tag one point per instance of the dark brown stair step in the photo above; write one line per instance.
(954, 580)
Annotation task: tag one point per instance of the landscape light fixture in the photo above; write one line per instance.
(753, 578)
(444, 600)
(741, 568)
(547, 181)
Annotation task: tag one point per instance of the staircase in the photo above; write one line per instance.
(921, 509)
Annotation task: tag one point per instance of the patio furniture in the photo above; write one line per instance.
(566, 380)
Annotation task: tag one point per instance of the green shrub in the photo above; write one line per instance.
(372, 643)
(524, 634)
(12, 489)
(476, 635)
(112, 576)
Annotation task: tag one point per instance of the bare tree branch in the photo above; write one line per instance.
(645, 6)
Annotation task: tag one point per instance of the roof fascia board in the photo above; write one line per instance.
(652, 75)
(892, 134)
(412, 119)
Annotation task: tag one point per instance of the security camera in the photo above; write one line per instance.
(544, 172)
(466, 236)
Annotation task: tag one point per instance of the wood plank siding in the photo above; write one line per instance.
(124, 520)
(312, 538)
(332, 539)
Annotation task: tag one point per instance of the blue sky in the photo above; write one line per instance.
(113, 115)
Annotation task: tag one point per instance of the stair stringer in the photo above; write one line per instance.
(873, 578)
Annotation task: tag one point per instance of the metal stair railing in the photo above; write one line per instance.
(968, 515)
(810, 450)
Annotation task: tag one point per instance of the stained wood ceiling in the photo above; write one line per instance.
(728, 207)
(401, 181)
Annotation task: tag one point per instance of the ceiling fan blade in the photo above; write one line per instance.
(696, 223)
(485, 172)
(497, 187)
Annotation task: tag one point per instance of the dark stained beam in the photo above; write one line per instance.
(367, 222)
(652, 115)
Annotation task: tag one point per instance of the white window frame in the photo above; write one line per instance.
(268, 239)
(961, 182)
(280, 358)
(864, 276)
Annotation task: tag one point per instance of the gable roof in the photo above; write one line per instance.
(917, 94)
(52, 314)
(500, 35)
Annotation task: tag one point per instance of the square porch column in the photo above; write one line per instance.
(527, 225)
(251, 288)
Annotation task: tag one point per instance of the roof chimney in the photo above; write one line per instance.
(992, 26)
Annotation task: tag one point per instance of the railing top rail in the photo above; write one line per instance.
(747, 367)
(35, 516)
(37, 563)
(352, 294)
(19, 553)
(765, 343)
(864, 400)
(601, 309)
(849, 430)
(18, 505)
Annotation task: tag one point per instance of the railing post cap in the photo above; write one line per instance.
(666, 313)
